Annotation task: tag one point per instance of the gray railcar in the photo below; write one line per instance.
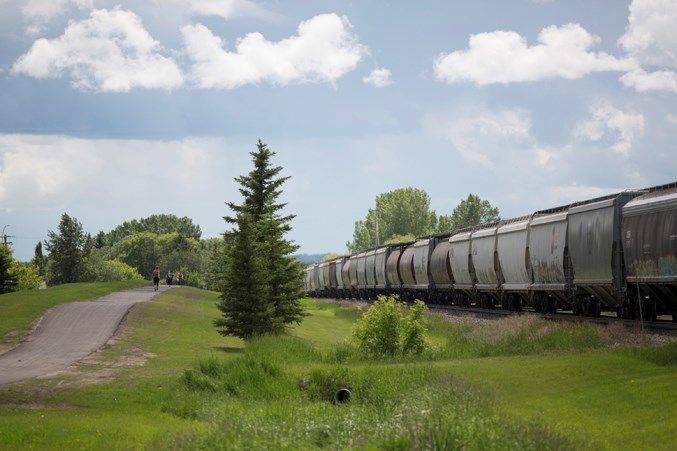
(461, 266)
(550, 261)
(407, 273)
(512, 248)
(596, 251)
(650, 244)
(485, 264)
(380, 280)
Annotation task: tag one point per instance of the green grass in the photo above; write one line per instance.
(513, 384)
(20, 309)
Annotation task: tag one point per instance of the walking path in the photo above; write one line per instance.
(68, 333)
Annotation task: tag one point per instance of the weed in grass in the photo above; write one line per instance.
(340, 353)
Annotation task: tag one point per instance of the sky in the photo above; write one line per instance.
(113, 111)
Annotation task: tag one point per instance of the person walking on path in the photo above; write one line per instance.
(170, 277)
(179, 278)
(156, 278)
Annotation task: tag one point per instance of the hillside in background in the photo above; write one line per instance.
(309, 259)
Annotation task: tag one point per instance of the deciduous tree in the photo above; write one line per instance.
(158, 224)
(401, 212)
(468, 213)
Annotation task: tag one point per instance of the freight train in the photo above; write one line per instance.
(616, 253)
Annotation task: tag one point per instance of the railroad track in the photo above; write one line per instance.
(665, 326)
(658, 325)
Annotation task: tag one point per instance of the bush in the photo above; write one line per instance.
(100, 270)
(27, 277)
(385, 330)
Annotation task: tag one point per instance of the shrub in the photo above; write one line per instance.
(27, 277)
(385, 329)
(101, 270)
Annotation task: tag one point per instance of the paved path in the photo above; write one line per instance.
(68, 333)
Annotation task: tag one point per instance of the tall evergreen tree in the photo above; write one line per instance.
(257, 257)
(8, 279)
(68, 251)
(39, 259)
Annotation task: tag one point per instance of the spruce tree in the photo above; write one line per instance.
(68, 251)
(8, 280)
(39, 259)
(262, 282)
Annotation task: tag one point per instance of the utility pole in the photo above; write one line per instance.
(5, 236)
(376, 219)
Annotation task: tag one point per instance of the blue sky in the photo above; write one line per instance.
(112, 111)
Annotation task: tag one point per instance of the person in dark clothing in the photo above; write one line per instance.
(156, 278)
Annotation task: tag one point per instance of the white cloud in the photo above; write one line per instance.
(642, 81)
(486, 138)
(610, 124)
(110, 51)
(323, 50)
(40, 12)
(651, 38)
(46, 9)
(44, 170)
(651, 35)
(672, 118)
(226, 9)
(378, 78)
(505, 57)
(30, 173)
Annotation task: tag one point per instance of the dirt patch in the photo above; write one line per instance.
(41, 406)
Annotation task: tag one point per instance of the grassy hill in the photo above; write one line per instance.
(169, 381)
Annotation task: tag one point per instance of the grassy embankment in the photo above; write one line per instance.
(517, 384)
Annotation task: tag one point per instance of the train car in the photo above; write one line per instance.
(407, 273)
(512, 248)
(325, 278)
(308, 279)
(361, 274)
(337, 278)
(422, 282)
(550, 263)
(650, 244)
(352, 275)
(381, 285)
(460, 259)
(440, 271)
(346, 292)
(370, 274)
(317, 281)
(335, 281)
(596, 251)
(484, 257)
(393, 277)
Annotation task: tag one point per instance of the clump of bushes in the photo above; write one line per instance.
(391, 328)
